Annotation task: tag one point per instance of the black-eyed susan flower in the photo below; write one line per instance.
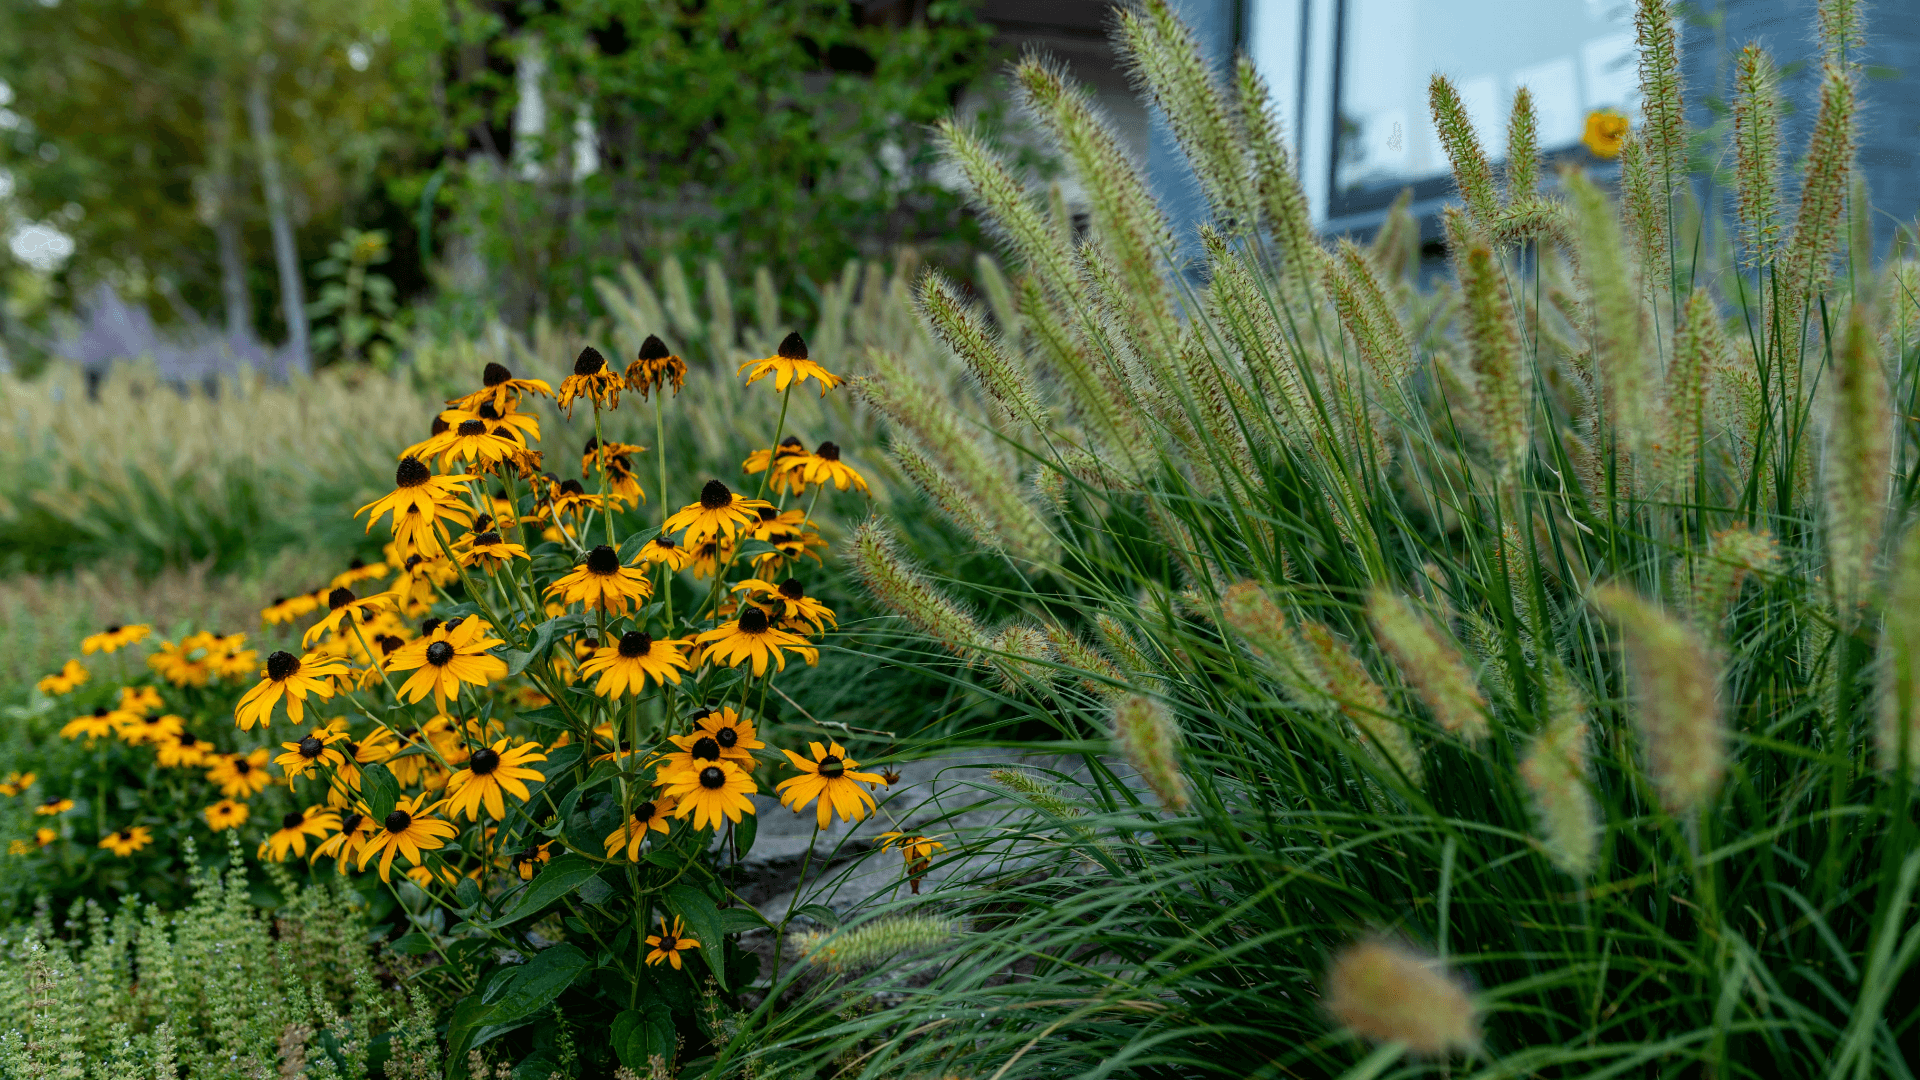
(424, 876)
(602, 584)
(696, 751)
(789, 365)
(343, 606)
(292, 677)
(706, 560)
(830, 778)
(153, 730)
(789, 604)
(491, 770)
(97, 724)
(417, 501)
(733, 733)
(625, 668)
(789, 547)
(752, 638)
(240, 776)
(17, 782)
(489, 552)
(656, 368)
(344, 846)
(528, 860)
(313, 750)
(662, 551)
(38, 842)
(285, 609)
(471, 440)
(1606, 133)
(408, 831)
(226, 814)
(184, 751)
(445, 659)
(789, 461)
(227, 659)
(498, 386)
(649, 816)
(917, 850)
(669, 943)
(591, 379)
(114, 638)
(721, 513)
(70, 675)
(54, 806)
(140, 700)
(357, 571)
(124, 842)
(569, 499)
(824, 467)
(295, 827)
(510, 423)
(713, 791)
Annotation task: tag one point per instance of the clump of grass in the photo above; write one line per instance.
(1663, 564)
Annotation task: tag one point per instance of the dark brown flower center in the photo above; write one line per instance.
(590, 362)
(634, 643)
(603, 560)
(470, 428)
(293, 820)
(488, 412)
(666, 542)
(438, 426)
(356, 563)
(485, 760)
(571, 487)
(388, 642)
(186, 738)
(712, 778)
(653, 348)
(706, 749)
(715, 495)
(439, 654)
(727, 737)
(428, 626)
(114, 629)
(486, 539)
(792, 347)
(339, 598)
(351, 822)
(668, 943)
(828, 452)
(494, 374)
(399, 821)
(644, 812)
(753, 621)
(792, 589)
(281, 665)
(832, 767)
(242, 766)
(411, 473)
(99, 710)
(792, 442)
(311, 747)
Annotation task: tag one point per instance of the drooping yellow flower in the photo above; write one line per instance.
(16, 783)
(124, 842)
(752, 638)
(153, 730)
(624, 668)
(226, 814)
(601, 583)
(789, 365)
(471, 440)
(824, 467)
(500, 388)
(446, 658)
(241, 776)
(655, 368)
(490, 770)
(669, 943)
(917, 850)
(408, 831)
(1606, 133)
(140, 700)
(295, 827)
(285, 609)
(662, 551)
(715, 790)
(789, 464)
(419, 499)
(97, 724)
(528, 860)
(292, 677)
(648, 817)
(830, 778)
(114, 638)
(720, 513)
(54, 806)
(344, 608)
(489, 552)
(70, 675)
(567, 498)
(344, 846)
(789, 603)
(184, 750)
(314, 749)
(357, 571)
(591, 379)
(41, 838)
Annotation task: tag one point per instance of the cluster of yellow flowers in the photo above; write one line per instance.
(556, 614)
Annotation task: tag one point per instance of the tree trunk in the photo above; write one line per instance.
(226, 210)
(293, 299)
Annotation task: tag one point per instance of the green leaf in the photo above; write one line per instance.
(414, 944)
(819, 913)
(533, 985)
(561, 876)
(467, 893)
(631, 546)
(545, 716)
(703, 918)
(543, 636)
(379, 789)
(638, 1034)
(744, 834)
(739, 920)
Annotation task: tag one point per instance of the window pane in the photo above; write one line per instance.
(1574, 55)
